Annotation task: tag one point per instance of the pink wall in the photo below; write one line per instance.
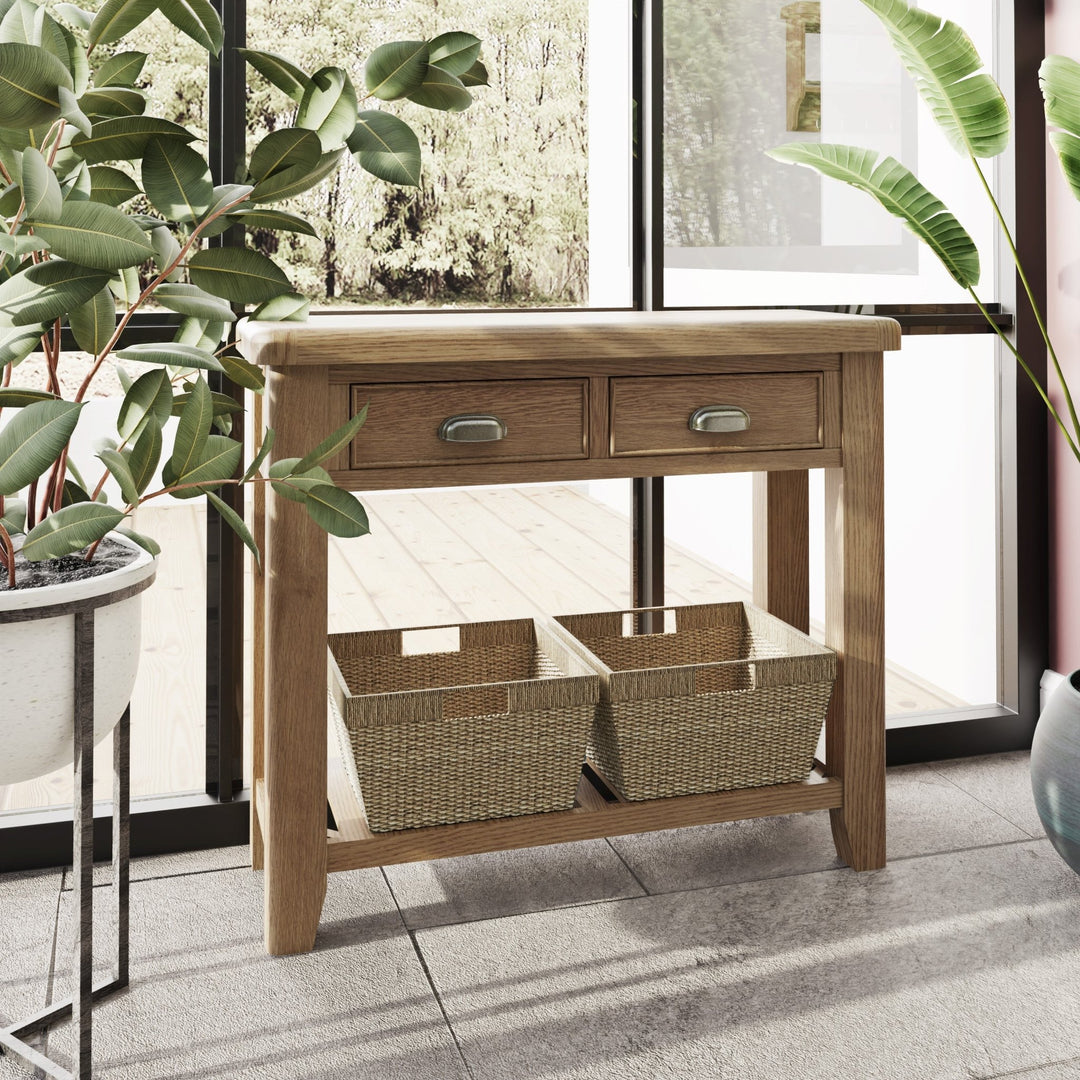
(1063, 302)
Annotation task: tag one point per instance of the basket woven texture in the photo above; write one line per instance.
(496, 729)
(734, 698)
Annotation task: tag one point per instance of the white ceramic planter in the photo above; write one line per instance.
(37, 667)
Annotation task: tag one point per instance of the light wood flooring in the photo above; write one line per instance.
(439, 556)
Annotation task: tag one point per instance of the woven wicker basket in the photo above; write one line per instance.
(494, 729)
(733, 698)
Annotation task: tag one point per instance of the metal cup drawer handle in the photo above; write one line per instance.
(472, 427)
(719, 418)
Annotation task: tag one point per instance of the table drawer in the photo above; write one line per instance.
(541, 420)
(769, 412)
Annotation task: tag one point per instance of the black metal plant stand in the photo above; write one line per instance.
(79, 1004)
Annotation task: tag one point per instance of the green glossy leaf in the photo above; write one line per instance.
(40, 188)
(328, 107)
(69, 530)
(201, 333)
(236, 523)
(455, 52)
(47, 291)
(77, 16)
(441, 90)
(223, 404)
(33, 440)
(191, 300)
(13, 518)
(197, 19)
(114, 461)
(121, 69)
(176, 180)
(227, 195)
(289, 307)
(282, 73)
(147, 543)
(338, 512)
(113, 101)
(166, 253)
(71, 111)
(260, 457)
(241, 373)
(125, 286)
(1059, 78)
(285, 147)
(293, 180)
(111, 186)
(334, 443)
(75, 60)
(477, 75)
(295, 486)
(397, 69)
(116, 17)
(94, 322)
(173, 354)
(123, 138)
(239, 275)
(218, 461)
(21, 244)
(386, 147)
(192, 430)
(899, 191)
(149, 396)
(95, 235)
(964, 100)
(18, 342)
(77, 184)
(16, 397)
(30, 80)
(74, 492)
(145, 454)
(278, 220)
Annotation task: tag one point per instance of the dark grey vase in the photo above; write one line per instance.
(1055, 769)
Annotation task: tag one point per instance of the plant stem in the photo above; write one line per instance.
(31, 499)
(9, 556)
(126, 318)
(1034, 309)
(1030, 374)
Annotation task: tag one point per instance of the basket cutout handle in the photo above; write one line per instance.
(491, 700)
(430, 639)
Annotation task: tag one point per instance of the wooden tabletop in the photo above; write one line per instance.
(450, 336)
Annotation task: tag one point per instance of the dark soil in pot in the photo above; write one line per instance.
(109, 556)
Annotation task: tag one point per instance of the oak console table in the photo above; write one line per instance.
(568, 396)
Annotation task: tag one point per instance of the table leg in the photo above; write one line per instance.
(854, 618)
(294, 832)
(782, 545)
(258, 672)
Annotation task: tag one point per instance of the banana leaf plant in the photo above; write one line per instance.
(971, 110)
(105, 208)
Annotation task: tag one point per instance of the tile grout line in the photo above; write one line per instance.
(972, 795)
(427, 975)
(1028, 1069)
(629, 870)
(165, 877)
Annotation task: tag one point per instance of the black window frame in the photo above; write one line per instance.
(219, 816)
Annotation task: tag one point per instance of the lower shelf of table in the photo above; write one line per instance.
(353, 846)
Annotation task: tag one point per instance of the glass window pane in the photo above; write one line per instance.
(503, 216)
(740, 228)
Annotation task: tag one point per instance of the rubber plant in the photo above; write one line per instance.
(105, 209)
(971, 110)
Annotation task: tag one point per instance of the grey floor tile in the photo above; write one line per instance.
(509, 883)
(938, 968)
(173, 865)
(27, 925)
(1000, 781)
(926, 814)
(206, 1001)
